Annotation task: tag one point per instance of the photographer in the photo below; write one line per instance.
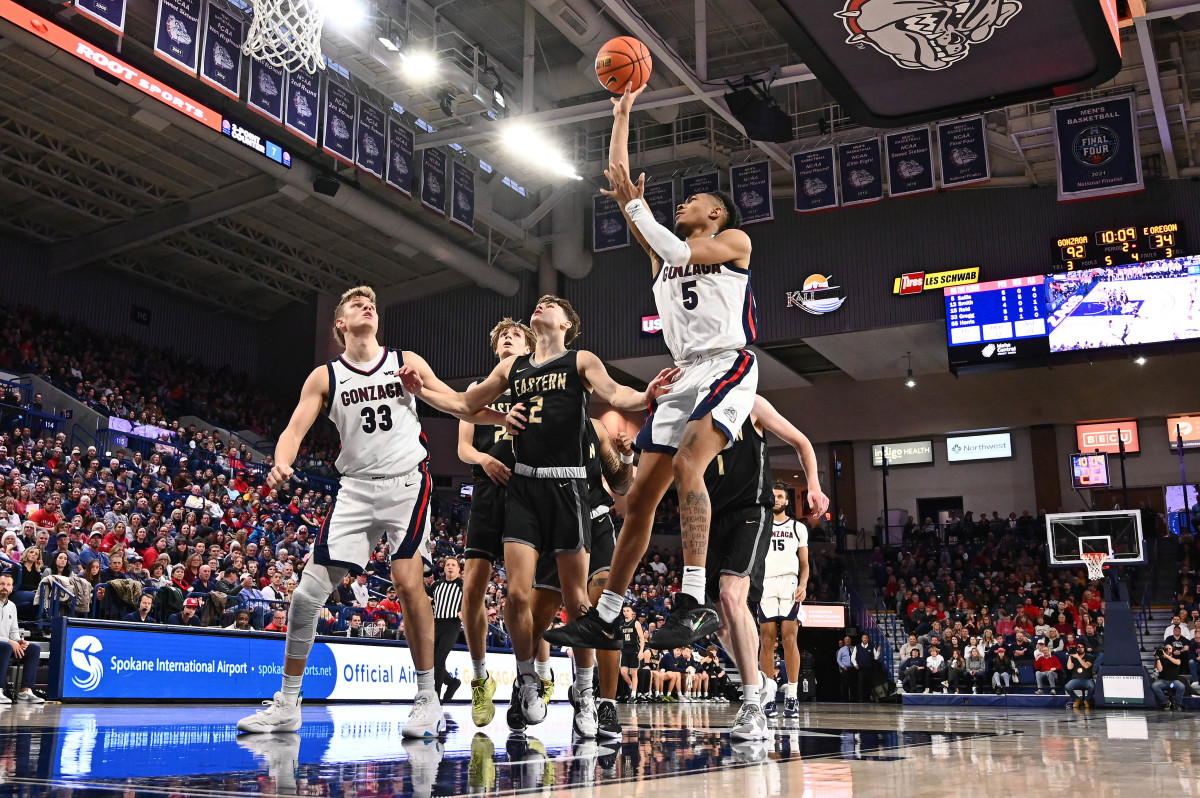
(1079, 669)
(1167, 660)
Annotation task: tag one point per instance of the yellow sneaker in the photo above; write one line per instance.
(548, 687)
(482, 708)
(481, 772)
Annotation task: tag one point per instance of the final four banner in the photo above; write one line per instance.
(609, 228)
(109, 13)
(962, 150)
(303, 104)
(1098, 150)
(701, 184)
(221, 65)
(816, 180)
(400, 163)
(372, 128)
(340, 108)
(177, 33)
(660, 199)
(751, 186)
(266, 90)
(462, 203)
(910, 162)
(860, 168)
(433, 180)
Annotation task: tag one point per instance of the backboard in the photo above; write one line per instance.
(1069, 536)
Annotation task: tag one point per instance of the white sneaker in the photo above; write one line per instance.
(529, 693)
(281, 753)
(766, 689)
(4, 699)
(750, 723)
(424, 757)
(30, 697)
(426, 718)
(586, 722)
(281, 714)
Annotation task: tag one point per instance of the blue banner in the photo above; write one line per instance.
(303, 103)
(221, 65)
(462, 204)
(751, 185)
(266, 90)
(816, 180)
(372, 141)
(109, 13)
(860, 171)
(177, 32)
(962, 150)
(701, 184)
(610, 230)
(1098, 149)
(400, 164)
(910, 162)
(660, 199)
(433, 180)
(340, 110)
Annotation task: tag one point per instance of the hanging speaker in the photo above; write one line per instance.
(891, 63)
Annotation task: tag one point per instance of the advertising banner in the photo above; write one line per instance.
(751, 185)
(1186, 426)
(1107, 437)
(902, 454)
(979, 447)
(816, 180)
(1098, 149)
(963, 153)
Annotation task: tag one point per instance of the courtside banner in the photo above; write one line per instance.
(751, 187)
(433, 180)
(816, 180)
(660, 199)
(303, 104)
(400, 163)
(609, 228)
(177, 33)
(372, 132)
(1098, 149)
(109, 13)
(860, 171)
(462, 203)
(266, 90)
(341, 106)
(221, 64)
(962, 151)
(910, 162)
(47, 31)
(701, 184)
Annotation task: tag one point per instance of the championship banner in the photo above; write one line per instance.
(433, 180)
(660, 199)
(266, 90)
(303, 101)
(751, 186)
(609, 228)
(462, 203)
(962, 151)
(340, 107)
(400, 157)
(221, 66)
(860, 169)
(1098, 149)
(109, 13)
(816, 180)
(910, 162)
(372, 128)
(177, 33)
(916, 282)
(701, 184)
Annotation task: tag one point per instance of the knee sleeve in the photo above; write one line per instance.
(307, 601)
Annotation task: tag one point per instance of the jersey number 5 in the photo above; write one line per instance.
(690, 298)
(385, 419)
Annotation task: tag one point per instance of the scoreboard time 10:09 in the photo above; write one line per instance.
(1120, 246)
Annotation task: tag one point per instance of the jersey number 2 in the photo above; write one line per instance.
(385, 419)
(690, 298)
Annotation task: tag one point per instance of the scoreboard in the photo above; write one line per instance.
(1120, 246)
(996, 321)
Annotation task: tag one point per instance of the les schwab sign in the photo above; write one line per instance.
(916, 282)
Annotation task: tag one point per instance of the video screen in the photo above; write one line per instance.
(466, 491)
(1089, 470)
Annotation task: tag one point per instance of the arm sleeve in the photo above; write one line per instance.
(661, 240)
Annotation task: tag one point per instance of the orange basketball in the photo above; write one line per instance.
(623, 61)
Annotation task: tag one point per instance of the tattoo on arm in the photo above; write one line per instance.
(618, 474)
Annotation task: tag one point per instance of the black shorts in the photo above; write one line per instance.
(629, 658)
(603, 541)
(737, 544)
(485, 524)
(549, 515)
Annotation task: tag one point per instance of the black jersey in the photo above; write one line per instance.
(629, 636)
(556, 405)
(493, 439)
(740, 476)
(597, 495)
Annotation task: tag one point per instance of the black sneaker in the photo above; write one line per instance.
(516, 721)
(609, 725)
(689, 621)
(587, 631)
(452, 686)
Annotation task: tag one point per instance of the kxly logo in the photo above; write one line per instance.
(816, 296)
(83, 656)
(925, 34)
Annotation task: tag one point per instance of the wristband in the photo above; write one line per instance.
(625, 458)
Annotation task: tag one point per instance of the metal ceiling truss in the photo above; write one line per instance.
(172, 279)
(69, 197)
(271, 276)
(29, 226)
(70, 177)
(300, 258)
(368, 263)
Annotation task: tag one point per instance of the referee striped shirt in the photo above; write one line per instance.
(447, 600)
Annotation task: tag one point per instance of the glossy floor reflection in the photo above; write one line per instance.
(356, 750)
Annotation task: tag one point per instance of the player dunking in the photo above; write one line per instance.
(702, 291)
(385, 490)
(784, 586)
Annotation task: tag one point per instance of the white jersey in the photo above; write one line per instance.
(705, 309)
(376, 417)
(787, 539)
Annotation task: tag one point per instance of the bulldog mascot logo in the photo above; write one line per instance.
(925, 34)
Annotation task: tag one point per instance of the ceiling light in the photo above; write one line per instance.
(420, 66)
(1140, 360)
(344, 13)
(389, 43)
(910, 382)
(529, 144)
(499, 98)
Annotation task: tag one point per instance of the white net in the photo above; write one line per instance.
(287, 34)
(1095, 564)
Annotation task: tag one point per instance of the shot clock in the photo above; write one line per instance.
(1089, 470)
(1120, 246)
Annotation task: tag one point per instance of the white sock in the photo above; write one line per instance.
(790, 690)
(525, 666)
(608, 701)
(425, 681)
(610, 606)
(291, 687)
(542, 669)
(750, 694)
(479, 668)
(693, 582)
(583, 678)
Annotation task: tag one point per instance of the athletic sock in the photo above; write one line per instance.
(479, 668)
(608, 701)
(693, 582)
(425, 681)
(750, 692)
(291, 687)
(610, 606)
(790, 690)
(583, 678)
(542, 669)
(525, 666)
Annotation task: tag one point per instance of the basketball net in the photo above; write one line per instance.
(287, 34)
(1095, 561)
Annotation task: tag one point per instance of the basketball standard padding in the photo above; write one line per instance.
(623, 61)
(891, 63)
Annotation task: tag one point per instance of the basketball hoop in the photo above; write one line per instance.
(1095, 560)
(287, 34)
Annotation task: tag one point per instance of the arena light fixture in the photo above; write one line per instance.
(536, 149)
(1140, 360)
(345, 14)
(420, 66)
(910, 382)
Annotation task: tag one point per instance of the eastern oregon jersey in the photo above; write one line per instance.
(705, 309)
(740, 476)
(376, 418)
(556, 405)
(493, 439)
(597, 495)
(629, 636)
(782, 554)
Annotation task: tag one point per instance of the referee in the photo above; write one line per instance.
(447, 607)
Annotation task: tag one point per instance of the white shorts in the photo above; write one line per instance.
(395, 509)
(779, 598)
(722, 385)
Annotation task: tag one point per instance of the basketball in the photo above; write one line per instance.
(623, 61)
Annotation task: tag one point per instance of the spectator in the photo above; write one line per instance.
(1047, 669)
(846, 672)
(359, 588)
(13, 646)
(975, 669)
(186, 616)
(278, 622)
(344, 592)
(142, 614)
(205, 583)
(355, 627)
(241, 621)
(1081, 684)
(866, 661)
(1177, 623)
(1167, 665)
(28, 578)
(1004, 671)
(914, 671)
(958, 672)
(936, 676)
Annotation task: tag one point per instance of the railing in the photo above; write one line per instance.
(862, 618)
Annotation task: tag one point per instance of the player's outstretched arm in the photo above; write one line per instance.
(617, 473)
(771, 421)
(313, 397)
(470, 405)
(618, 146)
(496, 471)
(622, 397)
